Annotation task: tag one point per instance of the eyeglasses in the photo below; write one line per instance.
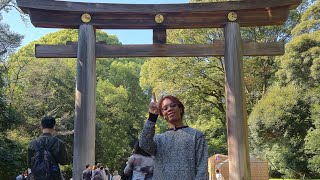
(171, 105)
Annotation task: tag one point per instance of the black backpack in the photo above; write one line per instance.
(43, 163)
(97, 175)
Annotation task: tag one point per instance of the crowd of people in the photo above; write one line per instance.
(179, 153)
(98, 172)
(139, 167)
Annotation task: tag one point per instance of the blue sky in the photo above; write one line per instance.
(125, 36)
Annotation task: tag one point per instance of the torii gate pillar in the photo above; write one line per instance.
(85, 107)
(237, 126)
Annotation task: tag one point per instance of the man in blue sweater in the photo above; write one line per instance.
(181, 152)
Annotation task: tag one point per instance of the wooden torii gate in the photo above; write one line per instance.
(87, 17)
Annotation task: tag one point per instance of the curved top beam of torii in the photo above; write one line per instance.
(63, 14)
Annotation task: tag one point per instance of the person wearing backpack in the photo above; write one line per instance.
(87, 173)
(97, 173)
(46, 152)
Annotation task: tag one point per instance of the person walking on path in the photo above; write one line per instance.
(87, 174)
(116, 175)
(46, 152)
(97, 172)
(219, 175)
(103, 173)
(181, 152)
(139, 165)
(20, 176)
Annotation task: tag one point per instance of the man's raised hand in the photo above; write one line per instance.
(153, 106)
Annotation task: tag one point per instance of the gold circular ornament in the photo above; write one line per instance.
(159, 18)
(85, 18)
(232, 16)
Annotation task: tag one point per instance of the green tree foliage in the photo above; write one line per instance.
(301, 66)
(38, 87)
(310, 20)
(121, 111)
(301, 62)
(307, 54)
(259, 71)
(10, 154)
(278, 125)
(199, 82)
(290, 123)
(312, 142)
(113, 124)
(198, 87)
(9, 41)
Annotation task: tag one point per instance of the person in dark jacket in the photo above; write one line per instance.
(53, 144)
(87, 173)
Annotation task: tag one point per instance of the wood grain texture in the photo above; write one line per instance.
(237, 125)
(159, 35)
(159, 50)
(153, 8)
(60, 14)
(85, 102)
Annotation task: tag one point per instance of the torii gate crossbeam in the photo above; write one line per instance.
(230, 15)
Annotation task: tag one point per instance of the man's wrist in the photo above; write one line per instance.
(153, 117)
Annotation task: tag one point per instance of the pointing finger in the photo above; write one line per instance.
(154, 97)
